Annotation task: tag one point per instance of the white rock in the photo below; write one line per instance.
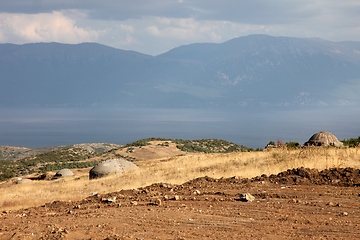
(247, 197)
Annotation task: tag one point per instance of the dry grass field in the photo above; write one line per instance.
(169, 197)
(159, 164)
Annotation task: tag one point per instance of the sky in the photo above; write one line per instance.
(156, 26)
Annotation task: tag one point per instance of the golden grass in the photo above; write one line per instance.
(176, 170)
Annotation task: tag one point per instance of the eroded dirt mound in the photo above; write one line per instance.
(335, 176)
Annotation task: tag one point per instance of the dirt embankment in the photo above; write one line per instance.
(347, 177)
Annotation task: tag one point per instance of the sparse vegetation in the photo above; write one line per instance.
(54, 160)
(145, 142)
(204, 145)
(209, 146)
(70, 165)
(292, 145)
(352, 142)
(16, 153)
(51, 158)
(128, 158)
(164, 144)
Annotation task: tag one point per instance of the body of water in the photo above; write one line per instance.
(40, 127)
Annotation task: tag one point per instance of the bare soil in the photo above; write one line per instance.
(296, 204)
(155, 150)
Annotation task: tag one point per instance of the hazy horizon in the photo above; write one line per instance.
(42, 127)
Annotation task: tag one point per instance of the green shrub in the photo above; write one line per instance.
(209, 146)
(293, 145)
(351, 142)
(58, 166)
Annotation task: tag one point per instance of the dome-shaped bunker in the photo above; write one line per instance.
(323, 139)
(64, 173)
(23, 180)
(111, 166)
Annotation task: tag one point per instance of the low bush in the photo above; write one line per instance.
(352, 142)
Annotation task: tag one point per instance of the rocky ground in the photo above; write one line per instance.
(297, 204)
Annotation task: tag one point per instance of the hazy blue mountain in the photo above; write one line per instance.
(266, 70)
(257, 70)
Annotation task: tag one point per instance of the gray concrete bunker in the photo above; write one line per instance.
(111, 166)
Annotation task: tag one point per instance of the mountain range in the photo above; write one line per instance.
(254, 71)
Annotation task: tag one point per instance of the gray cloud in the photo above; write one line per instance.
(254, 10)
(158, 25)
(110, 9)
(240, 11)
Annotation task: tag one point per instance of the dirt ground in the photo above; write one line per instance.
(154, 150)
(296, 204)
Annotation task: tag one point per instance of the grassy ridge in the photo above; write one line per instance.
(177, 170)
(17, 153)
(81, 155)
(203, 145)
(50, 161)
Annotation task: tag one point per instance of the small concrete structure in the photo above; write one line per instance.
(323, 139)
(23, 180)
(111, 166)
(63, 173)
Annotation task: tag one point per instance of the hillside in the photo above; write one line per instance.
(19, 161)
(17, 153)
(246, 71)
(291, 193)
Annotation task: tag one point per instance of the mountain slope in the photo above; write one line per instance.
(52, 73)
(259, 67)
(257, 70)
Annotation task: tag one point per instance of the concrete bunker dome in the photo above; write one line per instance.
(324, 138)
(64, 173)
(111, 166)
